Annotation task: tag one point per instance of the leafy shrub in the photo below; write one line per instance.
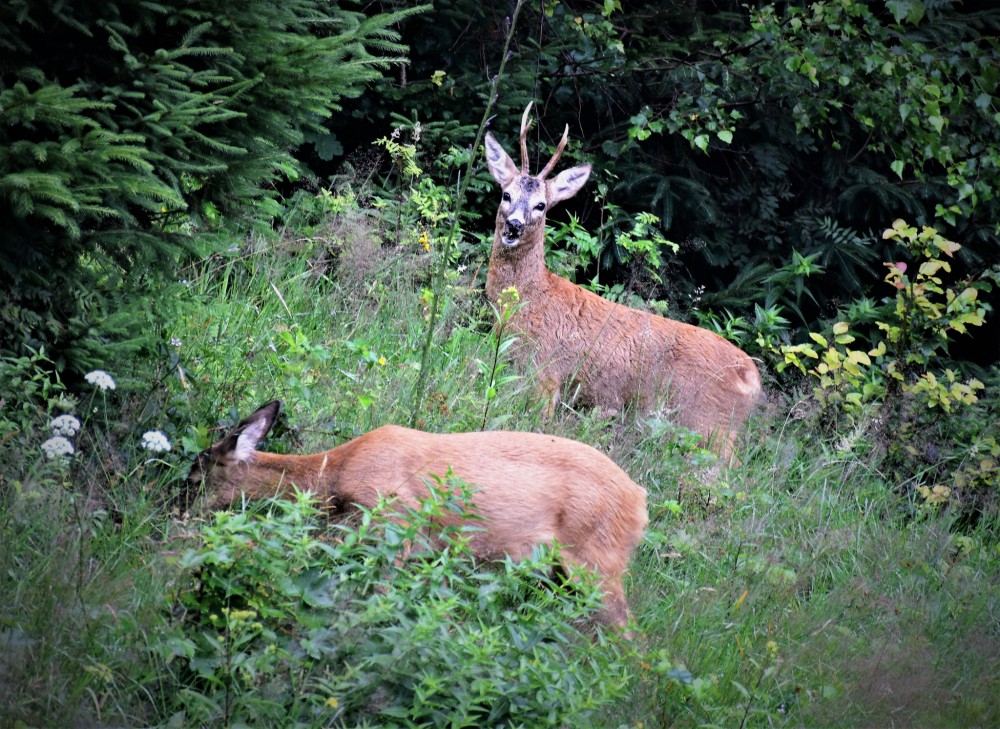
(275, 623)
(893, 359)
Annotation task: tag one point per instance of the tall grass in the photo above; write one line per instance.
(798, 588)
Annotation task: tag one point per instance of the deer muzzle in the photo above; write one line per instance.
(511, 234)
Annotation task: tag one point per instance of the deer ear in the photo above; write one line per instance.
(567, 183)
(501, 166)
(251, 431)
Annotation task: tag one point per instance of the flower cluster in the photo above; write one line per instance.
(65, 425)
(100, 379)
(57, 446)
(155, 441)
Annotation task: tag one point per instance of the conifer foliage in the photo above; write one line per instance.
(126, 128)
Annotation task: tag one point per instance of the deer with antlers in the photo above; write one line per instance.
(603, 354)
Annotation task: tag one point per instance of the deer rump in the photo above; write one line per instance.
(527, 489)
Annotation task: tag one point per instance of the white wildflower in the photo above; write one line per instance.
(101, 379)
(66, 425)
(175, 342)
(155, 441)
(57, 446)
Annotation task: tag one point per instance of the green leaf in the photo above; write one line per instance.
(897, 167)
(726, 136)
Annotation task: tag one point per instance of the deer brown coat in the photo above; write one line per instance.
(528, 489)
(601, 353)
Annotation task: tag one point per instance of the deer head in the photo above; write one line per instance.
(230, 465)
(526, 198)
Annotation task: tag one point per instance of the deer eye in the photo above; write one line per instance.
(506, 197)
(540, 206)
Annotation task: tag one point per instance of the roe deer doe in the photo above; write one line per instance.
(612, 356)
(528, 489)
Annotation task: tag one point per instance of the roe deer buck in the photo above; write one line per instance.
(612, 355)
(528, 489)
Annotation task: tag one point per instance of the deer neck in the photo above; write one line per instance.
(273, 473)
(521, 266)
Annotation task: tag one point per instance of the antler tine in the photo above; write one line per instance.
(555, 158)
(524, 139)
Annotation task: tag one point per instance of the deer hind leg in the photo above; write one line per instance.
(550, 392)
(614, 613)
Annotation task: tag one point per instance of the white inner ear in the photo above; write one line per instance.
(501, 166)
(246, 443)
(567, 183)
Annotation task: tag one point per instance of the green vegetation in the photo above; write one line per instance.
(807, 586)
(774, 142)
(127, 128)
(282, 628)
(843, 572)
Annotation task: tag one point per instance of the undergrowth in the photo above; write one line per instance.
(804, 585)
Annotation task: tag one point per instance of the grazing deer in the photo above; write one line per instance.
(610, 355)
(528, 489)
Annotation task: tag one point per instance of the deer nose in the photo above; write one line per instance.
(513, 228)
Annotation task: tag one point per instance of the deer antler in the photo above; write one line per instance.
(524, 146)
(524, 139)
(555, 158)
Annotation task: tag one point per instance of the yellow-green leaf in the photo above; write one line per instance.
(929, 268)
(948, 247)
(819, 339)
(858, 357)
